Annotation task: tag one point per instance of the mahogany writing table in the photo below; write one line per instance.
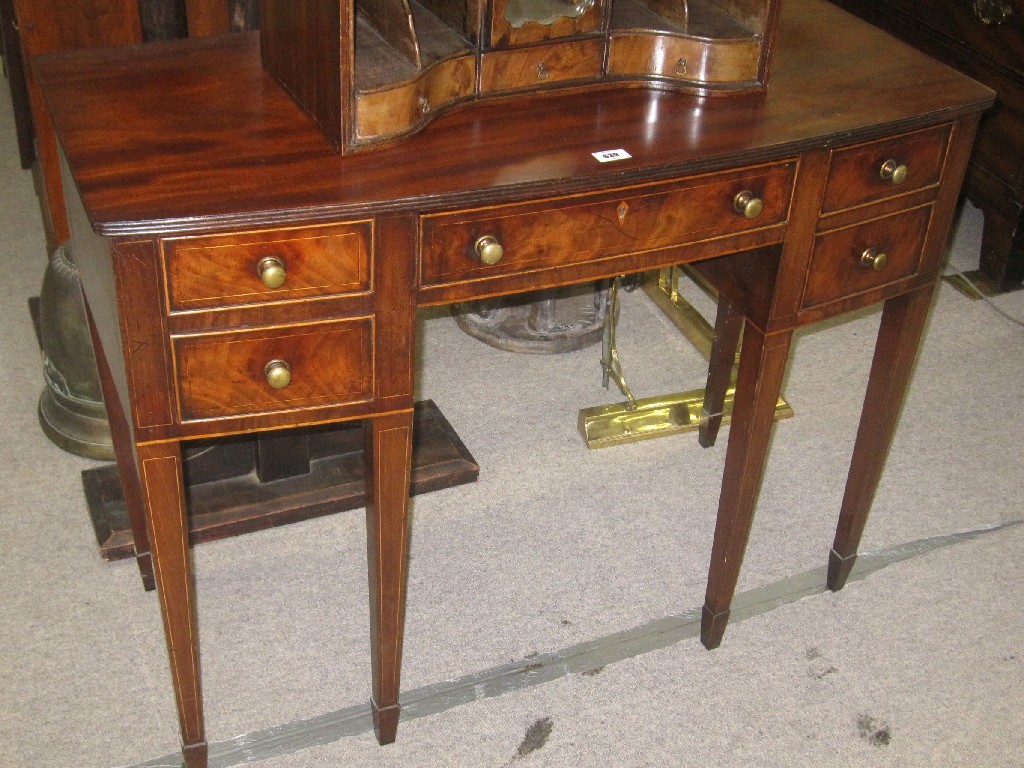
(196, 185)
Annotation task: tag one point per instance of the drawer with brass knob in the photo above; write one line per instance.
(489, 250)
(748, 204)
(264, 266)
(541, 65)
(466, 246)
(278, 373)
(263, 370)
(855, 259)
(638, 52)
(876, 170)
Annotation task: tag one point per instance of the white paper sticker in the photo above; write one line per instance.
(611, 155)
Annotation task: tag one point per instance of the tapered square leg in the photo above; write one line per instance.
(839, 568)
(728, 327)
(903, 321)
(163, 493)
(762, 365)
(195, 755)
(385, 722)
(712, 627)
(388, 457)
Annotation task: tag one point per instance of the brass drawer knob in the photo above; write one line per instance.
(748, 204)
(278, 373)
(272, 272)
(893, 171)
(489, 250)
(543, 73)
(874, 259)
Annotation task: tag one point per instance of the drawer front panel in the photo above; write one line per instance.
(399, 108)
(840, 268)
(856, 173)
(683, 59)
(541, 65)
(225, 270)
(226, 374)
(577, 230)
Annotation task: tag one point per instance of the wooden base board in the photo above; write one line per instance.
(975, 285)
(226, 498)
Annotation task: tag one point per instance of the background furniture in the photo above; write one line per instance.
(34, 27)
(828, 194)
(985, 39)
(14, 68)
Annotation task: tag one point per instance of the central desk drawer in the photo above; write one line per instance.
(272, 369)
(265, 266)
(490, 242)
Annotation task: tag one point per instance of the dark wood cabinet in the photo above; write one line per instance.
(14, 69)
(54, 25)
(984, 39)
(34, 27)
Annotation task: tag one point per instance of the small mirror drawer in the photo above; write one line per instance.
(684, 59)
(541, 65)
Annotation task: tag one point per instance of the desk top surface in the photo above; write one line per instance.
(193, 135)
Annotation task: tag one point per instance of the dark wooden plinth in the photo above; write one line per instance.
(226, 496)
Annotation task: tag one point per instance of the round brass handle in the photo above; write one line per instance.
(278, 373)
(893, 171)
(748, 204)
(543, 73)
(874, 259)
(489, 250)
(272, 272)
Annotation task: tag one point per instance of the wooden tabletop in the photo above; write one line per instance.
(193, 135)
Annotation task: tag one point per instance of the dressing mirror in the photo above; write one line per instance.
(519, 13)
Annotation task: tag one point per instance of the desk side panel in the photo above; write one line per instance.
(121, 284)
(958, 156)
(91, 255)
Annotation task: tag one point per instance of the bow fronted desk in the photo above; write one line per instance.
(190, 172)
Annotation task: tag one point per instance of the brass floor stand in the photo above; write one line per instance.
(662, 415)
